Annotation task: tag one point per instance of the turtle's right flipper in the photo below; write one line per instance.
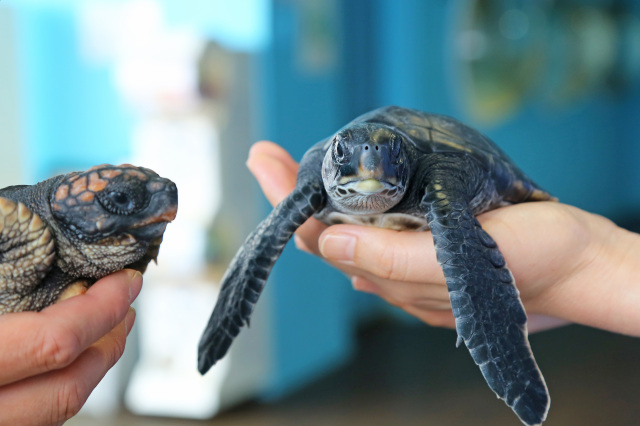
(245, 278)
(489, 315)
(27, 252)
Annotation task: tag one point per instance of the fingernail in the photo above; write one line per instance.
(338, 247)
(362, 284)
(129, 319)
(135, 284)
(250, 157)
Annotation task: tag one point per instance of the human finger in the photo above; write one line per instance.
(429, 297)
(274, 169)
(276, 172)
(392, 255)
(274, 150)
(436, 312)
(56, 396)
(36, 342)
(539, 322)
(430, 303)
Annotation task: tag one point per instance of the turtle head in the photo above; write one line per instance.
(365, 169)
(111, 215)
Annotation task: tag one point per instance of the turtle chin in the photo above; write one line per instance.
(366, 196)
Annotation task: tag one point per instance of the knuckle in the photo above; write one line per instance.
(117, 352)
(56, 348)
(392, 263)
(116, 343)
(71, 396)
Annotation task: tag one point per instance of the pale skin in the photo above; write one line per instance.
(52, 360)
(570, 266)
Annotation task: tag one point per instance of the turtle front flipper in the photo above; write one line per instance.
(27, 252)
(489, 315)
(245, 278)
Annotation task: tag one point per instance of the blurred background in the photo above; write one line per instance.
(185, 88)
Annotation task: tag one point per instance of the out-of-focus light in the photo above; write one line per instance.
(237, 25)
(514, 24)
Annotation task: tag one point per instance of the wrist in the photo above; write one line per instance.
(621, 277)
(607, 287)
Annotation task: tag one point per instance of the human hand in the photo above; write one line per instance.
(51, 360)
(561, 257)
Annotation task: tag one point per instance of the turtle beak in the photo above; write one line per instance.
(163, 204)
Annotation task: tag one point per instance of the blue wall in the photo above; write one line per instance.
(73, 117)
(311, 315)
(571, 150)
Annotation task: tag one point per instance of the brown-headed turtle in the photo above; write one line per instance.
(59, 236)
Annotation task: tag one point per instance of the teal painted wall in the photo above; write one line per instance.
(311, 301)
(73, 117)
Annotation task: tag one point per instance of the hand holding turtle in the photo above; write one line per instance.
(52, 360)
(562, 258)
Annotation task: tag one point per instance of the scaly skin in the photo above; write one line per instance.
(246, 276)
(489, 315)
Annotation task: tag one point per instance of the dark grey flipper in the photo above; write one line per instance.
(245, 278)
(489, 315)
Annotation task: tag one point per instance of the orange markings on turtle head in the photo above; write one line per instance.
(136, 173)
(110, 173)
(86, 197)
(79, 186)
(98, 167)
(62, 192)
(96, 184)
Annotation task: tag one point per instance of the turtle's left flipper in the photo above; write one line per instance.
(245, 278)
(489, 315)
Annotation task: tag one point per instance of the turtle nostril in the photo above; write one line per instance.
(366, 147)
(171, 187)
(377, 147)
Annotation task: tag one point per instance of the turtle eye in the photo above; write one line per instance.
(395, 145)
(340, 152)
(118, 202)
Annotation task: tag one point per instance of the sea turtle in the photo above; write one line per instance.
(404, 169)
(59, 236)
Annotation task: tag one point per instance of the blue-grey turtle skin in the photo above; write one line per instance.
(404, 169)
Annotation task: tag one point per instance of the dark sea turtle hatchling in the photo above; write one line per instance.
(404, 169)
(59, 236)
